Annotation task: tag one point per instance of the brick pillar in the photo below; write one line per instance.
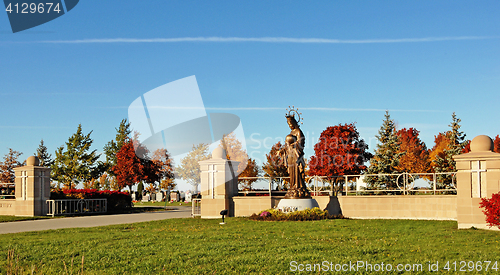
(478, 176)
(32, 188)
(219, 183)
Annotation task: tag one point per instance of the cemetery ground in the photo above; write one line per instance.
(198, 246)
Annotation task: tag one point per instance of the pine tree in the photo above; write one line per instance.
(43, 155)
(10, 161)
(113, 146)
(444, 162)
(387, 155)
(75, 164)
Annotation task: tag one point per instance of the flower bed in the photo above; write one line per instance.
(303, 215)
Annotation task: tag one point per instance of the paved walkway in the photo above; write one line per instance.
(92, 221)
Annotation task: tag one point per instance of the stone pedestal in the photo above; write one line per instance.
(291, 205)
(478, 176)
(32, 188)
(219, 183)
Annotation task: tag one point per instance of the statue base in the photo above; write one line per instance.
(299, 193)
(292, 205)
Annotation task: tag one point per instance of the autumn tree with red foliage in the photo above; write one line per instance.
(129, 168)
(416, 156)
(496, 144)
(339, 151)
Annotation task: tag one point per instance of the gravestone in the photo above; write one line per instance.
(174, 197)
(183, 196)
(133, 196)
(189, 197)
(145, 198)
(152, 196)
(159, 196)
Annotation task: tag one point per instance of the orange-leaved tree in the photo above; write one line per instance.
(162, 165)
(416, 156)
(441, 142)
(252, 170)
(339, 151)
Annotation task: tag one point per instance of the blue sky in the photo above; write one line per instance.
(338, 61)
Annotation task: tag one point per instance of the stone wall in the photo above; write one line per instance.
(426, 207)
(418, 207)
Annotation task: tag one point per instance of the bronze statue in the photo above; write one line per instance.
(293, 154)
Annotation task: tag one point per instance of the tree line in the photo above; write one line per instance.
(339, 151)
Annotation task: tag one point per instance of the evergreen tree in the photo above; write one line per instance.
(76, 163)
(113, 146)
(43, 155)
(10, 161)
(455, 146)
(387, 155)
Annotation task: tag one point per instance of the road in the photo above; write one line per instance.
(92, 221)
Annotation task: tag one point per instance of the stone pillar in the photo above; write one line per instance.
(219, 183)
(32, 188)
(478, 176)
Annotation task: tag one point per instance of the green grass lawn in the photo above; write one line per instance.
(196, 246)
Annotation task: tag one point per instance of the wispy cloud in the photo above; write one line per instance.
(268, 40)
(278, 109)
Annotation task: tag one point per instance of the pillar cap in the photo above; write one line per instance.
(32, 161)
(481, 143)
(219, 153)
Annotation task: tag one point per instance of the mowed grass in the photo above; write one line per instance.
(242, 246)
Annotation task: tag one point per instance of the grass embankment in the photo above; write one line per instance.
(242, 246)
